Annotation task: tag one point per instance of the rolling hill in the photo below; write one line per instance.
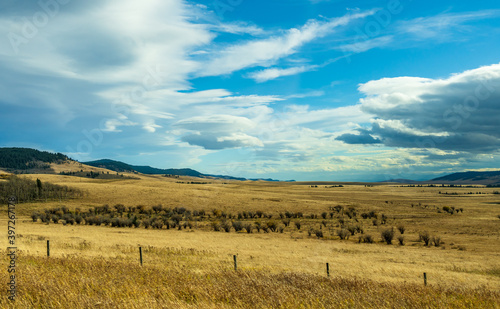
(25, 159)
(485, 178)
(118, 166)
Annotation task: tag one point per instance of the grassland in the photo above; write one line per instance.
(99, 266)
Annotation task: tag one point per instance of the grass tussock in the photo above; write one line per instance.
(78, 282)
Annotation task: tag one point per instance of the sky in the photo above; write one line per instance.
(334, 90)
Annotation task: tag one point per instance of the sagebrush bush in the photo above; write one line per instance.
(401, 229)
(425, 237)
(368, 239)
(401, 240)
(238, 226)
(343, 234)
(388, 235)
(226, 226)
(249, 228)
(352, 230)
(272, 225)
(437, 241)
(215, 226)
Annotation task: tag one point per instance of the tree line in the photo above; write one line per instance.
(27, 190)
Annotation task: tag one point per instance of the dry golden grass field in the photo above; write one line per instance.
(98, 266)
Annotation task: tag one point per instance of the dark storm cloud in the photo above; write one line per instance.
(460, 113)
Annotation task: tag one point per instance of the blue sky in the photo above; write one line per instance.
(297, 89)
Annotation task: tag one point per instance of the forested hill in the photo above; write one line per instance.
(113, 165)
(27, 158)
(118, 166)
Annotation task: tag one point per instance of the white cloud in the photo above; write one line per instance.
(265, 51)
(365, 45)
(459, 113)
(273, 73)
(216, 123)
(440, 26)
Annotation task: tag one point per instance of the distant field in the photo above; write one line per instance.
(467, 259)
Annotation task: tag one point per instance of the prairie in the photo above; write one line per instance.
(194, 267)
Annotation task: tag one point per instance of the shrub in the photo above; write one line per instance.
(401, 240)
(226, 226)
(401, 229)
(35, 216)
(298, 224)
(258, 226)
(383, 219)
(324, 222)
(281, 229)
(146, 223)
(249, 227)
(343, 234)
(388, 235)
(272, 225)
(238, 226)
(425, 237)
(78, 219)
(286, 222)
(319, 234)
(324, 215)
(54, 218)
(437, 241)
(216, 226)
(352, 230)
(368, 239)
(375, 222)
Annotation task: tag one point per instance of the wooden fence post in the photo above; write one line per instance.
(425, 279)
(235, 263)
(328, 269)
(140, 255)
(48, 247)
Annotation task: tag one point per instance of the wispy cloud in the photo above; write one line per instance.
(264, 52)
(273, 73)
(443, 26)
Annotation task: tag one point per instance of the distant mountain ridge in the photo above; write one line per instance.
(118, 166)
(486, 178)
(470, 177)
